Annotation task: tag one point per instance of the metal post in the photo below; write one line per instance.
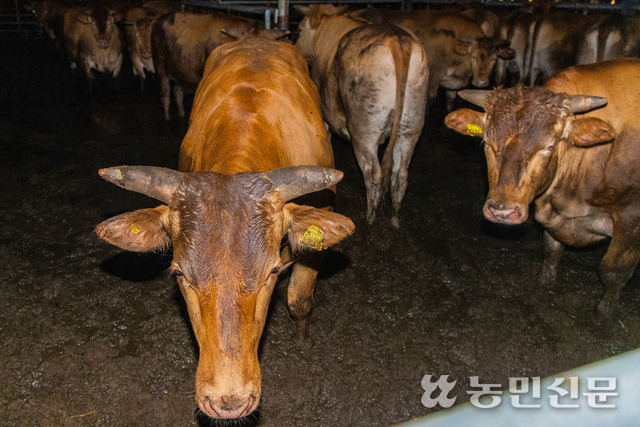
(267, 18)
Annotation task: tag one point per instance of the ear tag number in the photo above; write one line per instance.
(473, 129)
(134, 229)
(313, 237)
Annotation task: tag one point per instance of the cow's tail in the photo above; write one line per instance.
(401, 49)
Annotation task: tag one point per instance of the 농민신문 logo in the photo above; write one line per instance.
(524, 392)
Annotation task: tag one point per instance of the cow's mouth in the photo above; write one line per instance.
(504, 213)
(145, 55)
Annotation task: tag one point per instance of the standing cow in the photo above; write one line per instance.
(614, 37)
(91, 40)
(180, 46)
(373, 81)
(136, 27)
(256, 141)
(571, 146)
(459, 52)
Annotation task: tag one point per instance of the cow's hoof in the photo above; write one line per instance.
(607, 308)
(395, 223)
(303, 344)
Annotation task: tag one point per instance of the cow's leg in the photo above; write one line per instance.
(88, 75)
(300, 292)
(178, 94)
(618, 266)
(116, 73)
(165, 93)
(450, 96)
(552, 251)
(401, 157)
(367, 156)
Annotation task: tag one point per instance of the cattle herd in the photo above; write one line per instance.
(256, 180)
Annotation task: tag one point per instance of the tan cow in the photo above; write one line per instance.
(572, 147)
(373, 81)
(256, 141)
(91, 40)
(180, 45)
(458, 51)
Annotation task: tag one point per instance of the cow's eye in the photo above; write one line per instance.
(275, 270)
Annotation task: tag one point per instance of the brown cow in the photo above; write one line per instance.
(373, 80)
(581, 167)
(91, 40)
(136, 28)
(517, 28)
(458, 51)
(255, 122)
(49, 15)
(180, 45)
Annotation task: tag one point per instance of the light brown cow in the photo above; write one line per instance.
(458, 51)
(614, 37)
(180, 45)
(554, 44)
(373, 80)
(255, 142)
(580, 167)
(91, 40)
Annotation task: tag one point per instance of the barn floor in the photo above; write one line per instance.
(96, 336)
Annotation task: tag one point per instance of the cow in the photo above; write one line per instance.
(136, 28)
(373, 80)
(517, 28)
(614, 37)
(91, 40)
(180, 45)
(49, 15)
(256, 141)
(554, 44)
(572, 147)
(458, 51)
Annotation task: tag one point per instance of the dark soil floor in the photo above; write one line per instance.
(92, 335)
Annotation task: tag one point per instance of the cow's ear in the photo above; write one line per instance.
(143, 230)
(315, 229)
(466, 122)
(590, 131)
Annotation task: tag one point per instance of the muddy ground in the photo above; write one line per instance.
(92, 335)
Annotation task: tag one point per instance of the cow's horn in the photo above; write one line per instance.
(159, 183)
(294, 181)
(476, 97)
(583, 103)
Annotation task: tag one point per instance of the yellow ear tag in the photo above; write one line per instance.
(473, 129)
(313, 238)
(134, 229)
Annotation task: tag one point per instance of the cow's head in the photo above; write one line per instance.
(483, 53)
(525, 130)
(102, 22)
(226, 232)
(313, 17)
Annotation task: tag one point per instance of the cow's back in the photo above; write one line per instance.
(256, 108)
(617, 80)
(181, 43)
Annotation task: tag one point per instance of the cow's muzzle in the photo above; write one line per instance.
(504, 212)
(228, 407)
(103, 44)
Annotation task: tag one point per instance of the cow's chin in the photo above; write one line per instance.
(248, 420)
(511, 214)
